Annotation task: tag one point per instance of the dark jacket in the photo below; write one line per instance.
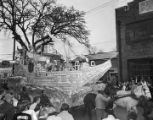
(44, 100)
(7, 111)
(24, 96)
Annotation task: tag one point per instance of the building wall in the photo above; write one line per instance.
(134, 35)
(97, 62)
(114, 62)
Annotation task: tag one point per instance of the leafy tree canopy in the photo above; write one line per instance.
(31, 22)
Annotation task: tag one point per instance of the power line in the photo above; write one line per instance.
(5, 54)
(104, 5)
(99, 7)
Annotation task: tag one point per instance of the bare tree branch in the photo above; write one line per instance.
(44, 43)
(34, 19)
(24, 33)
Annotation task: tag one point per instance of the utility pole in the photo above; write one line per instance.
(14, 46)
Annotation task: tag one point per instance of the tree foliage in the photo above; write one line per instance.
(31, 22)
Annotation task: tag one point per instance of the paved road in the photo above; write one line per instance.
(119, 112)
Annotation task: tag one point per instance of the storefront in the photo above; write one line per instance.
(135, 40)
(140, 68)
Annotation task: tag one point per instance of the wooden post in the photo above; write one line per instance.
(14, 45)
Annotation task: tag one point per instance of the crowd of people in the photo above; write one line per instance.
(103, 100)
(23, 106)
(104, 106)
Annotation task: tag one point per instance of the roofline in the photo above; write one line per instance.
(102, 53)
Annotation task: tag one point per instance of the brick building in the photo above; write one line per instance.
(134, 25)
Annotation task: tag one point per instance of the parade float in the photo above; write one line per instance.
(64, 86)
(62, 81)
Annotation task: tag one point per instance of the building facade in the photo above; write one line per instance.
(134, 25)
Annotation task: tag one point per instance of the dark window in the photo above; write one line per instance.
(140, 68)
(139, 31)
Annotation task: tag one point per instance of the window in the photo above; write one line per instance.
(140, 68)
(77, 65)
(139, 31)
(93, 63)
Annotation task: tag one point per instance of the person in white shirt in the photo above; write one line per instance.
(124, 86)
(31, 111)
(54, 117)
(64, 114)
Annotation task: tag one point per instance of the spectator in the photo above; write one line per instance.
(24, 96)
(2, 94)
(14, 100)
(101, 101)
(7, 110)
(45, 112)
(124, 86)
(151, 90)
(5, 85)
(64, 114)
(44, 100)
(54, 117)
(133, 86)
(128, 86)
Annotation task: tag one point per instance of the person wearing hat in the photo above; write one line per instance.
(7, 110)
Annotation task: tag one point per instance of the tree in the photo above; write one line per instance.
(31, 22)
(92, 50)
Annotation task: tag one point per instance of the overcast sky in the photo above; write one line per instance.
(100, 21)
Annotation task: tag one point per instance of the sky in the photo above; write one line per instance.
(100, 21)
